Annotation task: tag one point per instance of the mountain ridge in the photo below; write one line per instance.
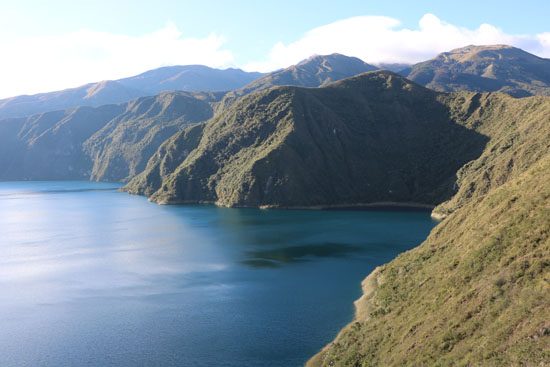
(315, 71)
(328, 123)
(489, 68)
(186, 78)
(109, 142)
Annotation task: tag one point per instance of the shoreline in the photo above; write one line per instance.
(379, 205)
(357, 206)
(363, 308)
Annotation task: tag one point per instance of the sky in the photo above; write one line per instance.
(57, 44)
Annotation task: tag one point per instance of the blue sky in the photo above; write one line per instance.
(57, 44)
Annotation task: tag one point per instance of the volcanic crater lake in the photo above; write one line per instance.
(90, 276)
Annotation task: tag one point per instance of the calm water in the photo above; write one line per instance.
(93, 277)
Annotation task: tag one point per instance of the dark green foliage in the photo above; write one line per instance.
(371, 138)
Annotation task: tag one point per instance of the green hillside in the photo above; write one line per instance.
(108, 143)
(122, 148)
(48, 146)
(373, 138)
(116, 146)
(475, 293)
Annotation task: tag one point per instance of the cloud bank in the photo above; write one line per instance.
(379, 39)
(48, 63)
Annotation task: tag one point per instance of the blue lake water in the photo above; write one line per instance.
(90, 276)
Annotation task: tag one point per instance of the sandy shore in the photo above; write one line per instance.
(363, 309)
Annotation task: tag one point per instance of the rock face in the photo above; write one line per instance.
(375, 137)
(496, 68)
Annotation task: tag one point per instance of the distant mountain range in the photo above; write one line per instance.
(114, 142)
(497, 68)
(185, 78)
(317, 71)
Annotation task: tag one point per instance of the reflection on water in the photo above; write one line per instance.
(92, 276)
(291, 254)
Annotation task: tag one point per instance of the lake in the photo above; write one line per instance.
(90, 276)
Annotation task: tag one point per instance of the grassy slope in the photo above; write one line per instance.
(519, 137)
(475, 293)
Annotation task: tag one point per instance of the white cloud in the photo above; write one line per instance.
(377, 39)
(49, 63)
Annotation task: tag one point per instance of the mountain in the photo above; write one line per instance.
(121, 148)
(476, 291)
(316, 71)
(117, 146)
(111, 142)
(373, 138)
(190, 78)
(185, 78)
(496, 68)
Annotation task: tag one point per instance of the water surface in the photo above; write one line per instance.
(90, 276)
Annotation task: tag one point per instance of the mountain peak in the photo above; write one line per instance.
(316, 71)
(486, 68)
(476, 48)
(333, 61)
